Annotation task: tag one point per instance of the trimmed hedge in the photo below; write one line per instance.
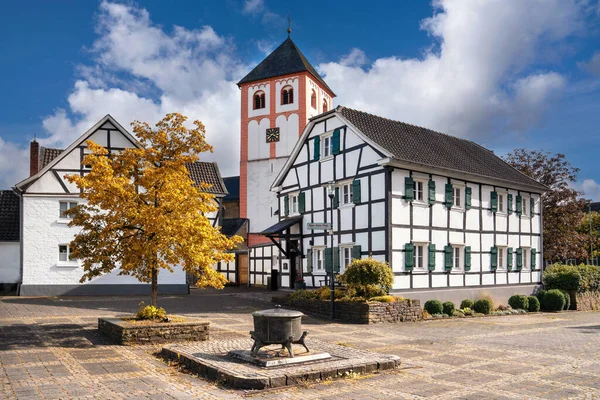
(433, 307)
(369, 277)
(567, 299)
(518, 302)
(533, 304)
(448, 308)
(553, 300)
(483, 306)
(466, 303)
(572, 277)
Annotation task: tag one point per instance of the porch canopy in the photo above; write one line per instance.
(281, 230)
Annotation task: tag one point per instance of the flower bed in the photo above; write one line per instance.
(357, 312)
(128, 331)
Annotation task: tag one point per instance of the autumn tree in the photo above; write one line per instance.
(143, 213)
(590, 227)
(562, 209)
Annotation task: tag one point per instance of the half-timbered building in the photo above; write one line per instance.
(448, 215)
(45, 235)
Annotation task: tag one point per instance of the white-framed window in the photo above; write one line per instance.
(457, 256)
(525, 207)
(346, 193)
(319, 258)
(346, 256)
(294, 203)
(526, 257)
(327, 148)
(419, 256)
(419, 191)
(64, 251)
(501, 202)
(458, 196)
(63, 206)
(502, 253)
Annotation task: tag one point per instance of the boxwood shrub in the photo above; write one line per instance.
(518, 302)
(533, 304)
(553, 300)
(567, 299)
(483, 306)
(433, 307)
(467, 303)
(448, 308)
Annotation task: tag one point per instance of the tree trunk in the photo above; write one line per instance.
(154, 293)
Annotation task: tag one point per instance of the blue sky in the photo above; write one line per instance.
(504, 73)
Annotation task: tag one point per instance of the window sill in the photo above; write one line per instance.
(349, 205)
(525, 216)
(422, 204)
(323, 159)
(63, 264)
(459, 209)
(63, 221)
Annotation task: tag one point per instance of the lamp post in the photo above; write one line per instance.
(331, 194)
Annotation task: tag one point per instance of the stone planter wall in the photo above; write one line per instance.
(586, 301)
(357, 312)
(129, 333)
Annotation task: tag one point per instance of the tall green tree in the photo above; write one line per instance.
(562, 207)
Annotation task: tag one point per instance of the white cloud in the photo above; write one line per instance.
(477, 76)
(592, 65)
(14, 163)
(590, 189)
(253, 6)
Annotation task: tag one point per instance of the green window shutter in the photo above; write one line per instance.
(531, 206)
(431, 262)
(449, 195)
(336, 198)
(301, 202)
(409, 256)
(335, 142)
(317, 149)
(519, 258)
(327, 259)
(356, 191)
(356, 252)
(519, 206)
(494, 261)
(448, 258)
(533, 258)
(467, 198)
(286, 204)
(409, 188)
(494, 201)
(467, 258)
(432, 192)
(336, 259)
(309, 261)
(509, 253)
(509, 203)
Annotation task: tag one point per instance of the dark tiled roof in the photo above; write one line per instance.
(281, 226)
(284, 60)
(207, 172)
(47, 155)
(424, 146)
(231, 226)
(232, 184)
(9, 216)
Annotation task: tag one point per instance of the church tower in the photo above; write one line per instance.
(278, 97)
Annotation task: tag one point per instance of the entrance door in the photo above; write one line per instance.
(242, 269)
(293, 254)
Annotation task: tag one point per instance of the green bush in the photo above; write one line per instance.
(324, 293)
(534, 304)
(448, 308)
(567, 299)
(563, 277)
(467, 303)
(150, 312)
(368, 277)
(518, 302)
(540, 295)
(483, 306)
(590, 278)
(553, 300)
(304, 294)
(433, 307)
(383, 299)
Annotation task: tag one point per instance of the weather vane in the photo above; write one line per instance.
(289, 29)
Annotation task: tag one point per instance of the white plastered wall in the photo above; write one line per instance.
(10, 265)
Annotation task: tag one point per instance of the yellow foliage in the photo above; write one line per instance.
(150, 312)
(144, 213)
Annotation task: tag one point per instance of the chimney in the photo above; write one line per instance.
(34, 157)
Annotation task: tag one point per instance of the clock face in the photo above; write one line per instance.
(272, 135)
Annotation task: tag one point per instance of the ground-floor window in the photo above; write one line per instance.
(346, 256)
(456, 257)
(419, 256)
(319, 255)
(526, 262)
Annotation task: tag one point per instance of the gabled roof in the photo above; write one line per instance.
(47, 155)
(9, 216)
(232, 184)
(207, 172)
(231, 226)
(284, 60)
(424, 146)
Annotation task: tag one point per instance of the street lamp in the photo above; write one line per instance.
(331, 194)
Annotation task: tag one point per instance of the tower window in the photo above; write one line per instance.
(259, 100)
(287, 95)
(325, 106)
(313, 99)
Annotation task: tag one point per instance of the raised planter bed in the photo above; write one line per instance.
(357, 312)
(131, 332)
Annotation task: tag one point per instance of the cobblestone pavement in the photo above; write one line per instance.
(49, 348)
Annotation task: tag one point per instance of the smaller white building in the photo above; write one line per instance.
(45, 235)
(10, 250)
